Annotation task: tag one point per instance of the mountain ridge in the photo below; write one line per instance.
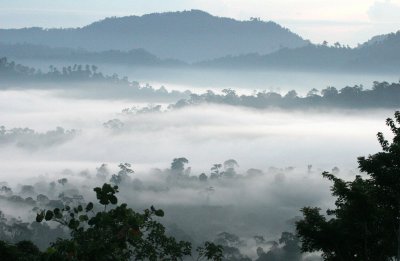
(188, 35)
(382, 55)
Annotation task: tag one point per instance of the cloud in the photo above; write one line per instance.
(385, 11)
(205, 135)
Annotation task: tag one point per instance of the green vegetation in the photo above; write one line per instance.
(115, 233)
(365, 225)
(382, 95)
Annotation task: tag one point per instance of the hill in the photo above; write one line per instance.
(377, 56)
(189, 35)
(69, 55)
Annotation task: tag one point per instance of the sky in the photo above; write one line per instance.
(347, 21)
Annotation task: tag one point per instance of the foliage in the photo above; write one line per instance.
(117, 234)
(210, 251)
(382, 95)
(123, 174)
(365, 223)
(22, 251)
(287, 248)
(178, 166)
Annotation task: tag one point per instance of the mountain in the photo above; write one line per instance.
(189, 36)
(378, 56)
(375, 39)
(133, 57)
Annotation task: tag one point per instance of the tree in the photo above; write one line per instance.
(312, 93)
(384, 170)
(178, 166)
(119, 233)
(215, 171)
(22, 251)
(291, 95)
(62, 181)
(123, 174)
(287, 249)
(330, 92)
(231, 243)
(365, 225)
(203, 177)
(229, 166)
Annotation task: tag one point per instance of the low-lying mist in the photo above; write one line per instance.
(246, 204)
(198, 80)
(205, 134)
(274, 157)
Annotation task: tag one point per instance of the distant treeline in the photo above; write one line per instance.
(381, 56)
(40, 52)
(378, 56)
(30, 139)
(382, 95)
(112, 85)
(11, 71)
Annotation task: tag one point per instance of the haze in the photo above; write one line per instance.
(347, 22)
(224, 114)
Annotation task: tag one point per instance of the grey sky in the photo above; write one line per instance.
(347, 21)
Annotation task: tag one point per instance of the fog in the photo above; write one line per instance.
(244, 81)
(280, 154)
(231, 128)
(248, 161)
(256, 138)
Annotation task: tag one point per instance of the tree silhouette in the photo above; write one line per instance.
(178, 166)
(365, 225)
(119, 233)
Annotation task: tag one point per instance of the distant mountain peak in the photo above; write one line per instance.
(190, 35)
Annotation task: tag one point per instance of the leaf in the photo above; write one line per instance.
(51, 250)
(49, 215)
(113, 199)
(73, 224)
(83, 218)
(57, 213)
(159, 213)
(92, 221)
(89, 206)
(39, 217)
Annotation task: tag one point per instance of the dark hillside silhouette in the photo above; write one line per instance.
(382, 95)
(379, 56)
(44, 53)
(79, 77)
(189, 35)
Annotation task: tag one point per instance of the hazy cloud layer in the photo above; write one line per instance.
(273, 150)
(385, 11)
(205, 135)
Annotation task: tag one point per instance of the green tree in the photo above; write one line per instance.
(118, 233)
(365, 225)
(22, 251)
